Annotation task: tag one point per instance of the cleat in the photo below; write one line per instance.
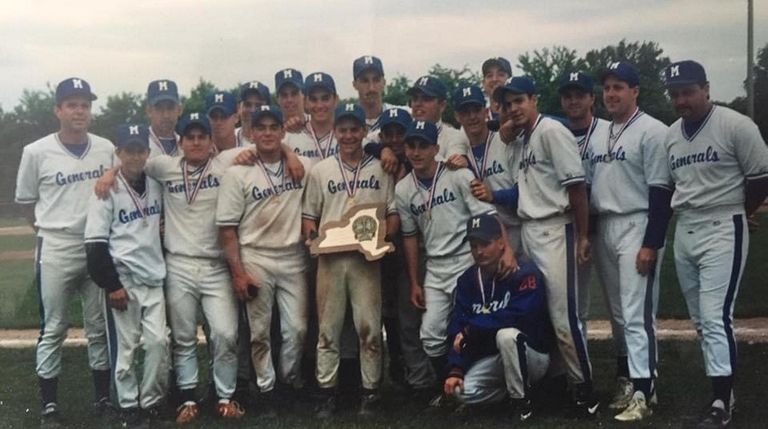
(50, 418)
(637, 409)
(522, 409)
(622, 394)
(230, 410)
(327, 407)
(716, 417)
(187, 413)
(133, 418)
(587, 409)
(369, 403)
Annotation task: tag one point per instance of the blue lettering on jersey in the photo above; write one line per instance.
(82, 176)
(445, 198)
(527, 161)
(370, 183)
(259, 194)
(129, 216)
(495, 168)
(209, 182)
(710, 155)
(616, 155)
(313, 153)
(494, 305)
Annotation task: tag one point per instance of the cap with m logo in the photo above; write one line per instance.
(162, 90)
(467, 96)
(575, 80)
(430, 86)
(687, 72)
(289, 77)
(132, 135)
(73, 87)
(424, 131)
(365, 63)
(319, 80)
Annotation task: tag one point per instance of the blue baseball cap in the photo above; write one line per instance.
(484, 227)
(578, 80)
(430, 86)
(622, 71)
(367, 62)
(267, 110)
(221, 100)
(499, 62)
(686, 72)
(254, 87)
(422, 130)
(72, 87)
(515, 85)
(132, 135)
(162, 90)
(289, 77)
(350, 110)
(468, 95)
(319, 80)
(193, 119)
(395, 115)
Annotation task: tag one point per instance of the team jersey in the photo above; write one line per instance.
(709, 167)
(227, 157)
(159, 146)
(60, 182)
(549, 163)
(241, 138)
(624, 166)
(585, 138)
(450, 140)
(130, 223)
(190, 205)
(440, 211)
(263, 203)
(496, 163)
(307, 144)
(327, 197)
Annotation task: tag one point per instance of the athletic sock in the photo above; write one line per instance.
(101, 383)
(721, 388)
(48, 389)
(186, 395)
(643, 385)
(440, 366)
(622, 366)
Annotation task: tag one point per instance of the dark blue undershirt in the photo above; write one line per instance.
(169, 145)
(580, 132)
(691, 127)
(76, 149)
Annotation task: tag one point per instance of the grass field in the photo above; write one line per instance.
(682, 388)
(18, 296)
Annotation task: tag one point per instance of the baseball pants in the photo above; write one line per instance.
(632, 298)
(551, 244)
(509, 373)
(341, 277)
(141, 324)
(60, 273)
(710, 254)
(285, 284)
(439, 283)
(205, 283)
(513, 237)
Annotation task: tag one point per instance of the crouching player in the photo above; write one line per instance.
(499, 327)
(126, 260)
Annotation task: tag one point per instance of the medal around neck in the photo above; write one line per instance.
(361, 229)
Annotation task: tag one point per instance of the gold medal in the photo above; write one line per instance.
(485, 310)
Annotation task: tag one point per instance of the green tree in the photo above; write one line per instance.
(761, 93)
(545, 67)
(196, 100)
(395, 92)
(34, 115)
(453, 80)
(123, 108)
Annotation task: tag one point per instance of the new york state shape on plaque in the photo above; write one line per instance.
(361, 229)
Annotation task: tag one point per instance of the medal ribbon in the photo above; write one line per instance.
(480, 171)
(482, 287)
(612, 140)
(585, 141)
(156, 140)
(323, 152)
(351, 189)
(139, 201)
(267, 176)
(527, 138)
(428, 200)
(191, 195)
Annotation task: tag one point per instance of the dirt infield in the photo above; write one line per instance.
(17, 255)
(17, 230)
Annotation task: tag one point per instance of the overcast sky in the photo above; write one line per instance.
(122, 45)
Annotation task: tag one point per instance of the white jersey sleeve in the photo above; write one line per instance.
(27, 186)
(751, 151)
(303, 144)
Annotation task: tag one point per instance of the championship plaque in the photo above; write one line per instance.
(362, 229)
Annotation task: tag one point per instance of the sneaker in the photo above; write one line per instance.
(622, 394)
(187, 413)
(326, 407)
(133, 418)
(50, 418)
(230, 410)
(716, 417)
(369, 402)
(587, 408)
(102, 407)
(636, 410)
(522, 408)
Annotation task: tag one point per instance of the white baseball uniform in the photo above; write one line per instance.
(308, 144)
(265, 205)
(439, 211)
(198, 276)
(59, 183)
(550, 162)
(625, 161)
(159, 146)
(450, 140)
(347, 275)
(130, 224)
(709, 168)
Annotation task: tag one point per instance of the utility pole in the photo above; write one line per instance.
(750, 60)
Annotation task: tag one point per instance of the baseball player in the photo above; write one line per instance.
(336, 184)
(253, 95)
(435, 202)
(221, 108)
(289, 94)
(163, 110)
(493, 162)
(553, 207)
(56, 175)
(499, 331)
(198, 276)
(126, 260)
(316, 140)
(429, 98)
(719, 165)
(496, 71)
(630, 187)
(259, 218)
(369, 82)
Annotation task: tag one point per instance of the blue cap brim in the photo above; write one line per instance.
(165, 97)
